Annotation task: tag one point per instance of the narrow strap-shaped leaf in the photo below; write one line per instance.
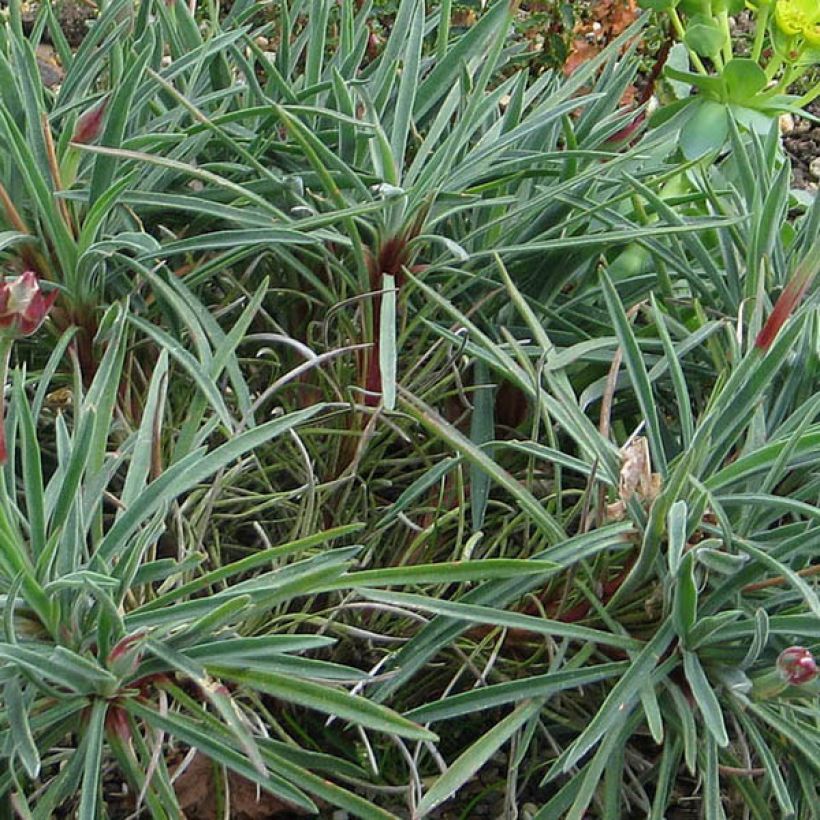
(770, 763)
(474, 757)
(326, 699)
(622, 697)
(712, 801)
(441, 79)
(435, 423)
(116, 119)
(637, 372)
(92, 764)
(408, 84)
(220, 750)
(388, 354)
(143, 446)
(187, 473)
(192, 366)
(17, 715)
(705, 698)
(499, 694)
(482, 429)
(442, 630)
(32, 471)
(499, 617)
(217, 695)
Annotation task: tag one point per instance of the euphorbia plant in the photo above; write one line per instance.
(752, 89)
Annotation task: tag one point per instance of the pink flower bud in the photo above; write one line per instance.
(89, 125)
(23, 305)
(797, 665)
(374, 43)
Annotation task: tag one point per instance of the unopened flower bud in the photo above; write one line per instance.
(23, 305)
(797, 665)
(89, 125)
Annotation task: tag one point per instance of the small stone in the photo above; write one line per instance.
(262, 42)
(814, 168)
(786, 122)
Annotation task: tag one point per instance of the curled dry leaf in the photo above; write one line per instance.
(636, 478)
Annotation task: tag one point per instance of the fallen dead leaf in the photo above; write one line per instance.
(195, 789)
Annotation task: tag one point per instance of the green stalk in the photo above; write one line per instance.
(789, 76)
(677, 24)
(773, 67)
(760, 32)
(809, 96)
(727, 46)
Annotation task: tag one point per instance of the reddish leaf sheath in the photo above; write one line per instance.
(790, 298)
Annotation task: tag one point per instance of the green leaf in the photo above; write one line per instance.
(705, 698)
(440, 632)
(676, 530)
(685, 611)
(92, 762)
(482, 429)
(116, 118)
(706, 130)
(637, 372)
(408, 85)
(32, 471)
(498, 617)
(248, 237)
(9, 239)
(326, 699)
(188, 472)
(387, 342)
(621, 698)
(216, 694)
(280, 758)
(138, 470)
(245, 565)
(770, 763)
(17, 715)
(448, 573)
(499, 694)
(494, 23)
(218, 748)
(704, 35)
(474, 757)
(712, 801)
(438, 426)
(744, 79)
